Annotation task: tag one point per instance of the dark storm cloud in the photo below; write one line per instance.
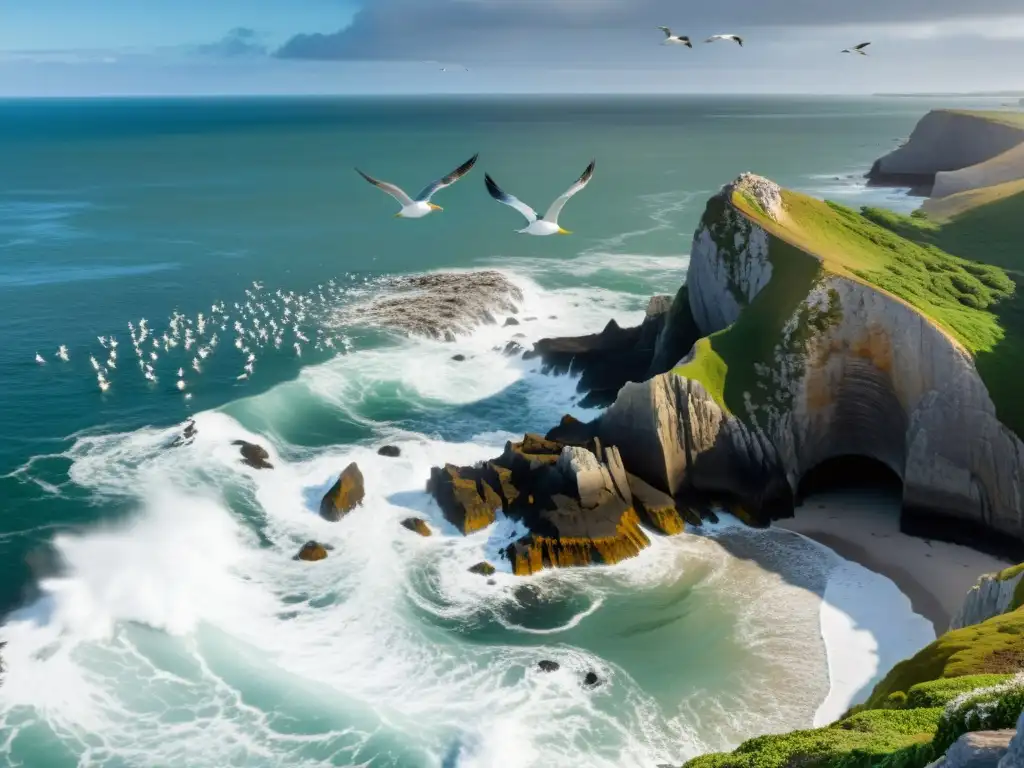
(411, 29)
(240, 41)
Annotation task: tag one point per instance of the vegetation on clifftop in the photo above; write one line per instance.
(970, 295)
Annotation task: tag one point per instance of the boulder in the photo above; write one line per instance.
(416, 525)
(460, 358)
(977, 749)
(483, 569)
(591, 680)
(544, 665)
(312, 551)
(345, 495)
(467, 501)
(511, 321)
(254, 455)
(391, 451)
(1014, 757)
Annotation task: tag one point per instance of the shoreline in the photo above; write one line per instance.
(889, 595)
(863, 527)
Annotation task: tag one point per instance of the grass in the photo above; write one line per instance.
(995, 646)
(1015, 119)
(897, 254)
(990, 233)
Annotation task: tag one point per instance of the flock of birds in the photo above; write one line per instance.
(263, 321)
(673, 39)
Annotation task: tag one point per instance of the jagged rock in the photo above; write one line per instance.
(467, 501)
(187, 435)
(513, 348)
(548, 666)
(679, 332)
(482, 568)
(671, 434)
(606, 360)
(460, 358)
(572, 431)
(989, 597)
(591, 680)
(416, 525)
(658, 509)
(438, 305)
(254, 455)
(391, 451)
(345, 495)
(312, 551)
(511, 321)
(977, 749)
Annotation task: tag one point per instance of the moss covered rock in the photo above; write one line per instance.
(346, 494)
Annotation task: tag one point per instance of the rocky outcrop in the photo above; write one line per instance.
(255, 456)
(482, 568)
(346, 494)
(438, 305)
(312, 551)
(854, 371)
(416, 525)
(993, 595)
(977, 749)
(943, 141)
(605, 361)
(576, 502)
(390, 451)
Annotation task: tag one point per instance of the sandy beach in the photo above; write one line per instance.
(864, 527)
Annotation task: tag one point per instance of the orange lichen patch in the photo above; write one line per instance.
(536, 449)
(534, 553)
(666, 519)
(466, 500)
(875, 345)
(500, 479)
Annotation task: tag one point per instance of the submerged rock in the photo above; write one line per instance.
(548, 666)
(254, 455)
(591, 680)
(345, 495)
(391, 451)
(312, 551)
(513, 348)
(511, 321)
(187, 435)
(483, 568)
(416, 525)
(438, 305)
(460, 358)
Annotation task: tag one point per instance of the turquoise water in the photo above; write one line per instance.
(154, 614)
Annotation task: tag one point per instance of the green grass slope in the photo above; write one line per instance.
(962, 296)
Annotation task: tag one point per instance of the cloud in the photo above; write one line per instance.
(240, 41)
(598, 29)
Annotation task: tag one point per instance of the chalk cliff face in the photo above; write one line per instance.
(870, 376)
(993, 595)
(944, 141)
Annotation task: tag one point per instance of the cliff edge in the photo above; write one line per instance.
(951, 151)
(827, 335)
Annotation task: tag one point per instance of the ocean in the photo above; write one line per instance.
(154, 615)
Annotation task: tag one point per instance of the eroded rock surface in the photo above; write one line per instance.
(345, 495)
(991, 596)
(438, 305)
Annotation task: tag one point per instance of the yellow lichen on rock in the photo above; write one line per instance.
(534, 553)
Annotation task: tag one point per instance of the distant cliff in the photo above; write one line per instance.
(953, 151)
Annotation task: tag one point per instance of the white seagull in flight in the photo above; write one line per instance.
(734, 38)
(671, 39)
(548, 223)
(857, 49)
(420, 206)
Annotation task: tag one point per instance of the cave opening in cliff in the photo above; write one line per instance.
(850, 473)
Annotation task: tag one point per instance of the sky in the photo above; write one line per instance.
(243, 47)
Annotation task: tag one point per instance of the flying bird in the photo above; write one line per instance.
(548, 223)
(420, 206)
(734, 38)
(671, 39)
(857, 49)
